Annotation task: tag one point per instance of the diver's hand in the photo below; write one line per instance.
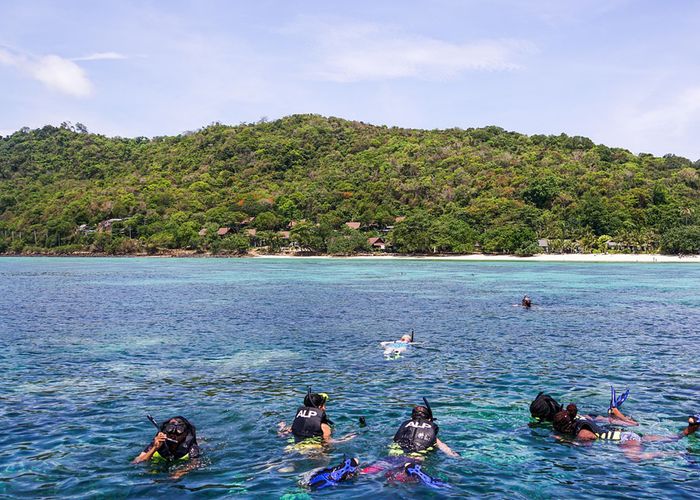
(159, 440)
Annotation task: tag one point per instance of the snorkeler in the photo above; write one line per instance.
(413, 440)
(566, 422)
(419, 434)
(176, 441)
(526, 302)
(311, 421)
(544, 407)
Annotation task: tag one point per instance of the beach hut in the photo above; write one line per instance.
(353, 225)
(543, 243)
(223, 231)
(377, 243)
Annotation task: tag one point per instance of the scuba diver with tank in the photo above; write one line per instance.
(175, 442)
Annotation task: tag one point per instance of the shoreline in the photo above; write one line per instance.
(566, 258)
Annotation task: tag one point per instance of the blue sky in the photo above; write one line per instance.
(623, 72)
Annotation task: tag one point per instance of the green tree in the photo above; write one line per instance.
(682, 240)
(450, 234)
(511, 239)
(413, 234)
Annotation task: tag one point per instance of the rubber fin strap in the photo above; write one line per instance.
(331, 477)
(414, 470)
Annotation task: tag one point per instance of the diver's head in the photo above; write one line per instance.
(421, 413)
(544, 407)
(177, 429)
(314, 400)
(564, 421)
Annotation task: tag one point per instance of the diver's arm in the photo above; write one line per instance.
(283, 429)
(326, 429)
(445, 449)
(148, 453)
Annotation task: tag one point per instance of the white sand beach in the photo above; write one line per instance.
(589, 257)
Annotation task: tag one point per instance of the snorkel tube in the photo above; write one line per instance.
(412, 333)
(430, 410)
(154, 422)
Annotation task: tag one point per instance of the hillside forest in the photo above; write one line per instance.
(317, 185)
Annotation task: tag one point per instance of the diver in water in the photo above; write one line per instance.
(566, 422)
(175, 441)
(413, 440)
(544, 407)
(419, 434)
(311, 421)
(526, 302)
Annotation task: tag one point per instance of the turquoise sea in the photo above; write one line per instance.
(90, 345)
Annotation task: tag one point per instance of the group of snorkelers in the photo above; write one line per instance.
(176, 439)
(175, 443)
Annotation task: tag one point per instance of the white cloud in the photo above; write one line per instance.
(101, 56)
(675, 115)
(659, 122)
(55, 72)
(357, 52)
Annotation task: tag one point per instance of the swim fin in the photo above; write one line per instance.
(615, 400)
(414, 470)
(333, 476)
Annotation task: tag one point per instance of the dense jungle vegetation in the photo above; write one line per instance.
(482, 189)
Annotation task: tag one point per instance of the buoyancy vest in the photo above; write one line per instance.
(416, 435)
(307, 422)
(185, 450)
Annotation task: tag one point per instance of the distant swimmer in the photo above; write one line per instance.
(175, 442)
(567, 423)
(394, 349)
(526, 302)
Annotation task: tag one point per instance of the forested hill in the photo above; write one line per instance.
(483, 189)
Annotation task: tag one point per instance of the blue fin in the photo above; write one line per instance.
(622, 398)
(414, 470)
(333, 476)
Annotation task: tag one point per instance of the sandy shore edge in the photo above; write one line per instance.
(610, 258)
(571, 258)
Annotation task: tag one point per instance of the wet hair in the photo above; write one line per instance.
(421, 412)
(564, 421)
(544, 407)
(314, 400)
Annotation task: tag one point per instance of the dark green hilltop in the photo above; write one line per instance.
(310, 184)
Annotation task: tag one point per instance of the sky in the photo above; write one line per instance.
(625, 73)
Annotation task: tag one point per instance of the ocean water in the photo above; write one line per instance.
(89, 346)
